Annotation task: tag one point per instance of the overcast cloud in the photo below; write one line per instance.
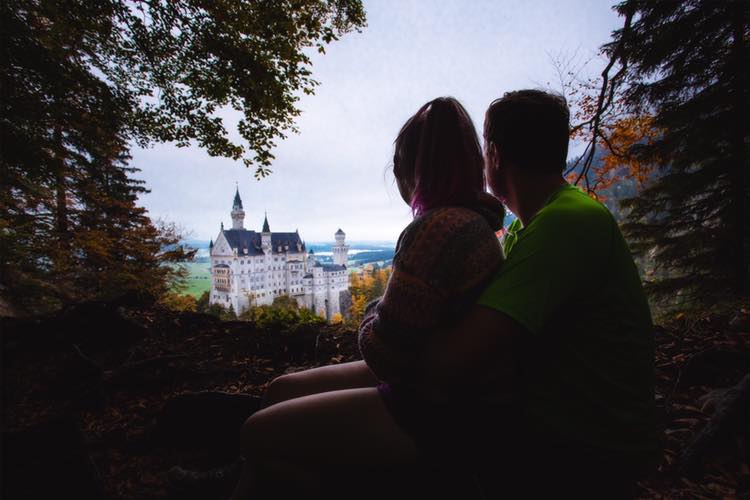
(333, 173)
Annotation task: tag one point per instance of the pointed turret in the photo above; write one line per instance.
(265, 236)
(266, 227)
(237, 205)
(238, 214)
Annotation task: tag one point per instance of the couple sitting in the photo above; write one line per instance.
(537, 352)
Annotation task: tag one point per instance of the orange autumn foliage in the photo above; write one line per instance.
(618, 132)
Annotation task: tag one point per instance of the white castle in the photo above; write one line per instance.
(250, 268)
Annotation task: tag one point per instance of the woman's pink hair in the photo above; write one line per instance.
(437, 151)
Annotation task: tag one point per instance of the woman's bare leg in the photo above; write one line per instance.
(350, 375)
(298, 439)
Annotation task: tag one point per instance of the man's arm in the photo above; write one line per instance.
(474, 359)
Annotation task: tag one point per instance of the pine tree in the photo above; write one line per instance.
(118, 249)
(54, 125)
(687, 66)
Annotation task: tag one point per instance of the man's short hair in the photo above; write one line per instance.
(530, 129)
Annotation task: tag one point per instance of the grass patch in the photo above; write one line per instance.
(199, 279)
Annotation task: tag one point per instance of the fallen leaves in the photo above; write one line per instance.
(233, 361)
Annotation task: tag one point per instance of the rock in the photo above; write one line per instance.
(731, 416)
(740, 321)
(203, 420)
(199, 321)
(96, 326)
(6, 307)
(50, 460)
(714, 367)
(93, 326)
(79, 379)
(152, 372)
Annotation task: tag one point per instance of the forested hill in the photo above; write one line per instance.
(102, 399)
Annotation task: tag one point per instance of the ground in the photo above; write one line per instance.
(199, 278)
(109, 369)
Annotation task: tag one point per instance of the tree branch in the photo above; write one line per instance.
(606, 96)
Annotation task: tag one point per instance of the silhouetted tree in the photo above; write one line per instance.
(683, 68)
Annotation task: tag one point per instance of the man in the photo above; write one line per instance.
(564, 330)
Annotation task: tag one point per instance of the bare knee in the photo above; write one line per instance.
(251, 436)
(278, 390)
(265, 455)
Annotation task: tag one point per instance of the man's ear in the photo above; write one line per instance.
(493, 157)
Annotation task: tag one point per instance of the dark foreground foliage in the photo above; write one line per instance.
(83, 392)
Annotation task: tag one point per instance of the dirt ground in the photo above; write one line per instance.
(110, 370)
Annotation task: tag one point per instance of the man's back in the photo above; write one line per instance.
(586, 363)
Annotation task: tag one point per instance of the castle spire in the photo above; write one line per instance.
(237, 204)
(266, 227)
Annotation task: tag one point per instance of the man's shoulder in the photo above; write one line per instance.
(575, 212)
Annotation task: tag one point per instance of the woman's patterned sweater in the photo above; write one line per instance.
(443, 259)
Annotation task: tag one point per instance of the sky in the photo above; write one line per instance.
(336, 172)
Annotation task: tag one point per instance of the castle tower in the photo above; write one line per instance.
(310, 259)
(340, 249)
(238, 214)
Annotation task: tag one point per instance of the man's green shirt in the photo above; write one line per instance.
(587, 363)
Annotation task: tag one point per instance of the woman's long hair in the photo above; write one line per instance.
(437, 151)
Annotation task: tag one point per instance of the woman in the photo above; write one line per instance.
(368, 413)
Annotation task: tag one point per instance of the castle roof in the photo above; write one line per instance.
(340, 232)
(241, 239)
(266, 228)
